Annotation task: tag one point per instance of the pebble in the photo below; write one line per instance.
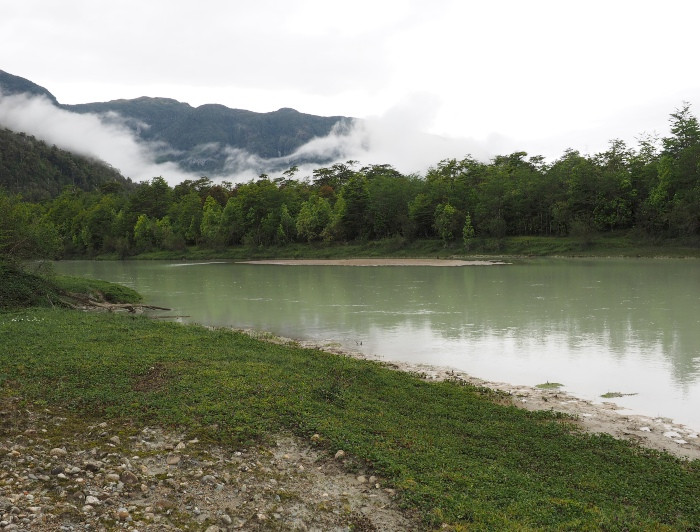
(129, 479)
(133, 486)
(173, 459)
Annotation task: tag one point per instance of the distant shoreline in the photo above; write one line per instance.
(376, 262)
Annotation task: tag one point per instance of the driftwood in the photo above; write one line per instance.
(83, 301)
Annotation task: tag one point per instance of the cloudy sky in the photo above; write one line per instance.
(489, 77)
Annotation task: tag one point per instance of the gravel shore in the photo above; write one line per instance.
(62, 473)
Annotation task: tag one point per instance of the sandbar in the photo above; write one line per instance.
(376, 262)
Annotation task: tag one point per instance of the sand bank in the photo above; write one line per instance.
(375, 262)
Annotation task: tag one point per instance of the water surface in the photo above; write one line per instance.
(595, 325)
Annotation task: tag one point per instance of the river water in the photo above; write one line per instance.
(595, 325)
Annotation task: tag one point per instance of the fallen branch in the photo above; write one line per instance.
(81, 300)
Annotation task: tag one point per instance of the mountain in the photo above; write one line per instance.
(38, 171)
(205, 139)
(10, 84)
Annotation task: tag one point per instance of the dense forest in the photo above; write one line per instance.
(39, 172)
(652, 191)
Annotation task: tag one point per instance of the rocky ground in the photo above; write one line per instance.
(61, 473)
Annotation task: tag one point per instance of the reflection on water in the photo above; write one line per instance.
(630, 326)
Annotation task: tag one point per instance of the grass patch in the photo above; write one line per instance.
(549, 385)
(20, 288)
(612, 395)
(96, 289)
(454, 454)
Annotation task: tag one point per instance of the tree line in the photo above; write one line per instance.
(653, 190)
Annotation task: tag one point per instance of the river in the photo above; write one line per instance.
(630, 326)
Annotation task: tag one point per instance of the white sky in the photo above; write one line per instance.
(496, 76)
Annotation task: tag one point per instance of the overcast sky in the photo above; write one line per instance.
(493, 76)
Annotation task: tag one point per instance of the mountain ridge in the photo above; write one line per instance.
(201, 138)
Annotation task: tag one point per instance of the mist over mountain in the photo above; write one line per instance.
(205, 139)
(148, 137)
(210, 139)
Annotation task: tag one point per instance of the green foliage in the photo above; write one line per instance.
(39, 172)
(453, 454)
(19, 288)
(468, 232)
(651, 193)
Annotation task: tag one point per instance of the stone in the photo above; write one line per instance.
(93, 466)
(115, 440)
(58, 451)
(209, 479)
(129, 479)
(92, 500)
(226, 519)
(213, 528)
(122, 514)
(316, 437)
(173, 459)
(180, 446)
(362, 479)
(340, 454)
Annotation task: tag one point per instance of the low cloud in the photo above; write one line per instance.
(394, 138)
(107, 138)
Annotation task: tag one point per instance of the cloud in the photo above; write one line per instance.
(395, 138)
(105, 138)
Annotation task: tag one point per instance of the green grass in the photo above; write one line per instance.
(20, 288)
(453, 452)
(549, 385)
(100, 290)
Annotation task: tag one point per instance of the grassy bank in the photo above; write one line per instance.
(608, 245)
(454, 452)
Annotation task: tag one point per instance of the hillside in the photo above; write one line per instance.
(38, 171)
(201, 139)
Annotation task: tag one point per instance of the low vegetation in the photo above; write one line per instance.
(455, 453)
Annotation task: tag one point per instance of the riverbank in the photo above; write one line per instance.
(455, 453)
(601, 417)
(607, 245)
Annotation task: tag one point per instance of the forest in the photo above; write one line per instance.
(652, 191)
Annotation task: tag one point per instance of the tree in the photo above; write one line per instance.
(144, 233)
(355, 193)
(211, 223)
(468, 232)
(314, 216)
(685, 131)
(446, 222)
